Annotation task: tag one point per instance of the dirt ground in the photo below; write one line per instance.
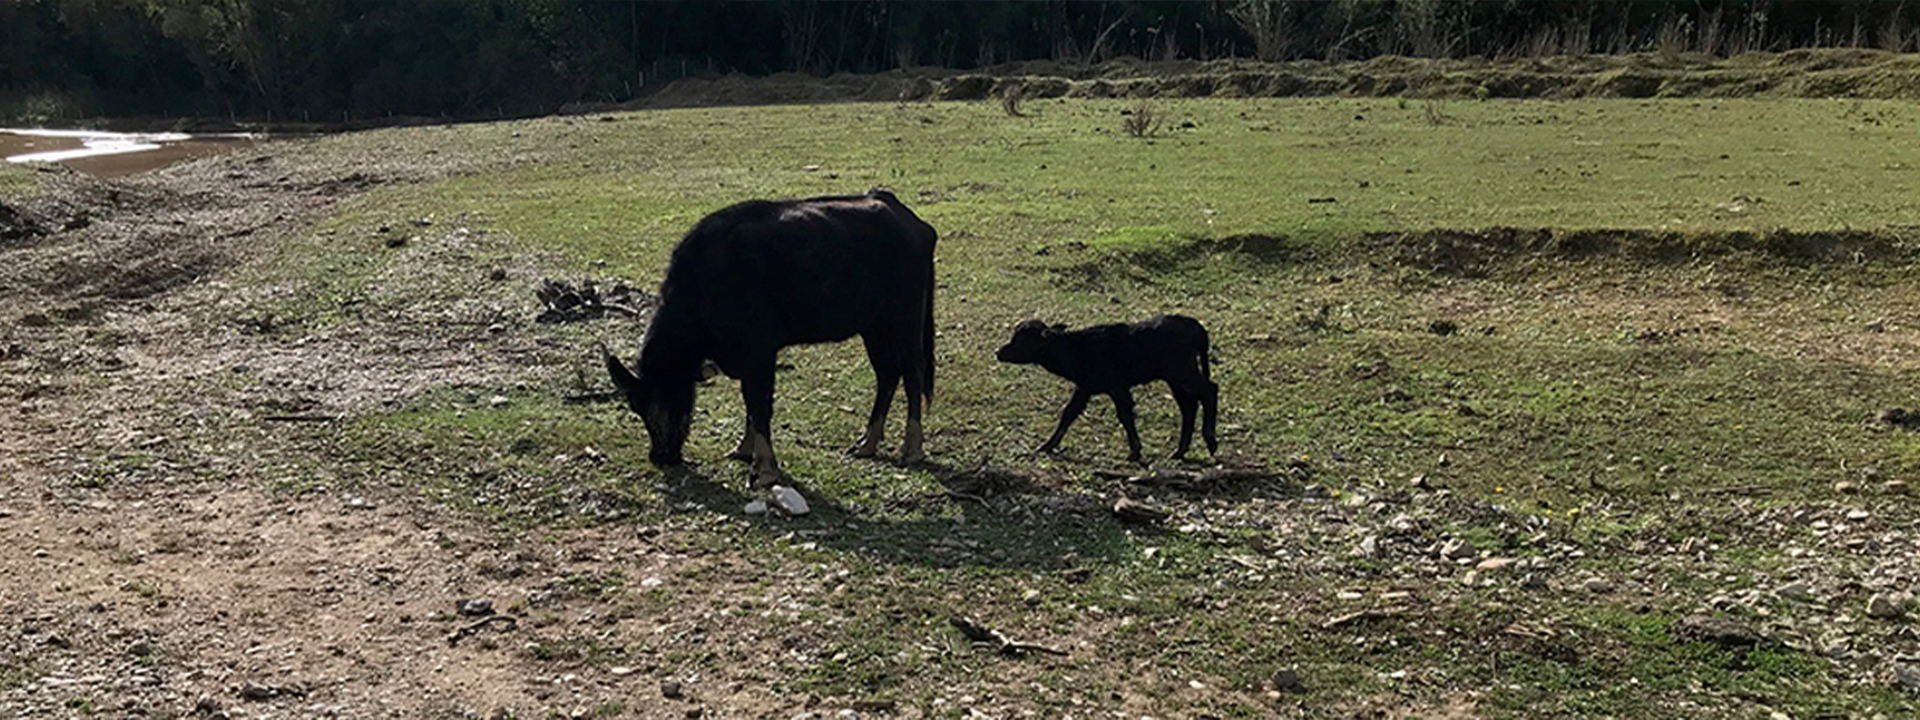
(189, 587)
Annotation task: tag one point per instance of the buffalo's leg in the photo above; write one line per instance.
(1068, 414)
(886, 378)
(1189, 407)
(912, 446)
(1123, 407)
(756, 389)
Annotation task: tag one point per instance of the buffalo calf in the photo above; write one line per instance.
(1111, 359)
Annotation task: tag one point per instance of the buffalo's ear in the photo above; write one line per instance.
(622, 378)
(1056, 329)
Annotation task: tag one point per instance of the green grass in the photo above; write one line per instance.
(1626, 389)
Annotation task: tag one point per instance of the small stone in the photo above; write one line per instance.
(1496, 563)
(811, 168)
(1369, 546)
(1846, 487)
(474, 607)
(1030, 597)
(1316, 491)
(1858, 515)
(497, 274)
(757, 507)
(1797, 592)
(395, 241)
(620, 670)
(1666, 469)
(1458, 550)
(1404, 524)
(1533, 582)
(1597, 585)
(670, 689)
(257, 692)
(1419, 482)
(498, 401)
(1887, 607)
(790, 501)
(1897, 487)
(1719, 631)
(40, 552)
(1288, 681)
(695, 712)
(1907, 674)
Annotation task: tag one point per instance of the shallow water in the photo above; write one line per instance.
(110, 154)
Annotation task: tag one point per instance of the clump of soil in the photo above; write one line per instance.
(566, 302)
(16, 225)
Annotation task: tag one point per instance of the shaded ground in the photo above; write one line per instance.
(271, 415)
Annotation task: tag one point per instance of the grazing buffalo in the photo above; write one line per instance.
(1111, 359)
(753, 278)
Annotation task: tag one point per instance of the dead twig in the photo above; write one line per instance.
(1359, 617)
(300, 418)
(465, 630)
(989, 637)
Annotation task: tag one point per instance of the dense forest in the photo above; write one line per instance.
(355, 59)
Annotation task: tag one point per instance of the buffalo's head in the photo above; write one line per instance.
(1030, 339)
(666, 408)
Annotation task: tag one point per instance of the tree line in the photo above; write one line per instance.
(326, 60)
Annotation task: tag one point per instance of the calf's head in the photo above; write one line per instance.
(666, 408)
(1030, 340)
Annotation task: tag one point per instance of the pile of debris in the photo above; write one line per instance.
(565, 302)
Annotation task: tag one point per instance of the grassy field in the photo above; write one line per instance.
(1676, 322)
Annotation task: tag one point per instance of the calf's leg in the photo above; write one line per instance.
(1210, 397)
(1068, 414)
(1189, 407)
(1123, 407)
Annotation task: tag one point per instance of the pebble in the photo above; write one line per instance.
(256, 692)
(1886, 607)
(1798, 592)
(1846, 487)
(1404, 524)
(1288, 681)
(1369, 546)
(497, 401)
(1030, 597)
(1908, 674)
(1457, 550)
(1896, 486)
(670, 689)
(1496, 563)
(1858, 515)
(1316, 491)
(1597, 585)
(474, 607)
(790, 500)
(757, 507)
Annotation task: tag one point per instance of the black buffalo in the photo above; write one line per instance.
(755, 277)
(1111, 359)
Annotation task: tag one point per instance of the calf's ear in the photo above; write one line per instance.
(1057, 329)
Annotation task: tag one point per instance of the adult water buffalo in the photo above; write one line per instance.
(761, 275)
